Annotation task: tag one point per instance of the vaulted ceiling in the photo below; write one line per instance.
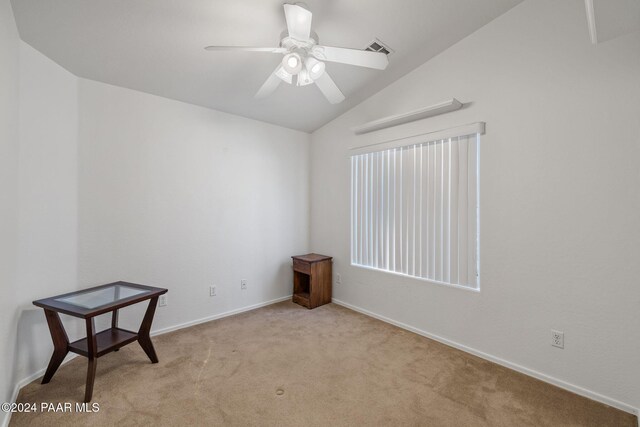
(156, 46)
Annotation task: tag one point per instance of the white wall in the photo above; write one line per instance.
(183, 197)
(47, 255)
(559, 198)
(9, 84)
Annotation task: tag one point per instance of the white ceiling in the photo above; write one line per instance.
(615, 18)
(156, 46)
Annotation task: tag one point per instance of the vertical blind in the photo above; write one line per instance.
(414, 210)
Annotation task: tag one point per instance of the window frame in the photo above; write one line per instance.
(476, 129)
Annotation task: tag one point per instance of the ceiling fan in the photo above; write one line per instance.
(303, 61)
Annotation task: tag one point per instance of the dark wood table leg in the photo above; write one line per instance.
(92, 350)
(114, 319)
(114, 322)
(60, 344)
(145, 328)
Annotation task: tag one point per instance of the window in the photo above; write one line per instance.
(414, 210)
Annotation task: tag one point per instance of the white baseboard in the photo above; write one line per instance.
(23, 382)
(530, 372)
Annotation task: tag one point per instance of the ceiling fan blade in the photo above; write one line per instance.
(270, 85)
(247, 49)
(329, 89)
(361, 58)
(298, 21)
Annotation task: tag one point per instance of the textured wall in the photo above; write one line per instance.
(9, 146)
(183, 197)
(559, 199)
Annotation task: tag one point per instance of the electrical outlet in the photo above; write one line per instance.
(212, 291)
(162, 301)
(243, 284)
(338, 279)
(557, 339)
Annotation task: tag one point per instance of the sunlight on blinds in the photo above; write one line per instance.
(414, 210)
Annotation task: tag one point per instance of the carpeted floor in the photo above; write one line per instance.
(288, 366)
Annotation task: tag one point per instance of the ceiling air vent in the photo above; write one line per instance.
(377, 46)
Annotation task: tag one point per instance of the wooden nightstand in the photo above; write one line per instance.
(311, 280)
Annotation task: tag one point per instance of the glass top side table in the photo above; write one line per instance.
(92, 302)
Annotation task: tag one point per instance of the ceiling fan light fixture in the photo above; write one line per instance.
(286, 77)
(292, 63)
(304, 78)
(314, 67)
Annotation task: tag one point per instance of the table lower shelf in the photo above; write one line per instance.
(107, 341)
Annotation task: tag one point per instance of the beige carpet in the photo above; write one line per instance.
(286, 365)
